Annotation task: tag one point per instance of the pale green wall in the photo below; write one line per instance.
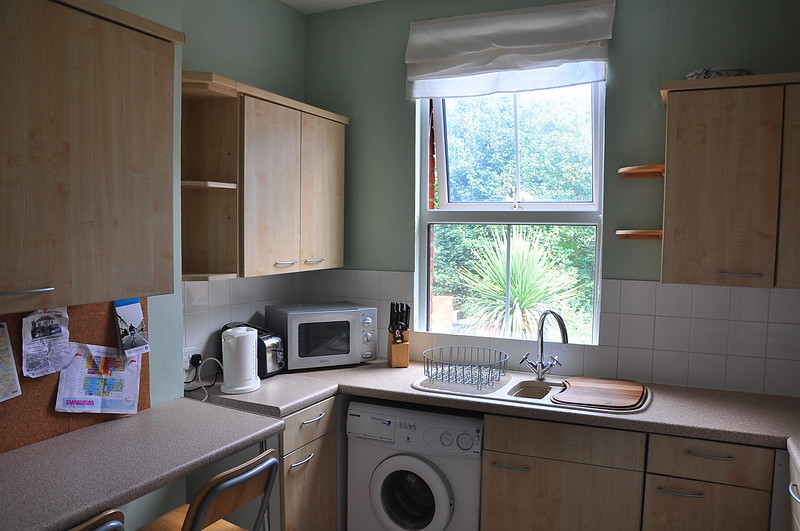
(354, 66)
(257, 42)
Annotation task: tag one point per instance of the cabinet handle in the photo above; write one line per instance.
(312, 421)
(728, 274)
(682, 494)
(514, 468)
(792, 488)
(304, 461)
(314, 260)
(285, 263)
(25, 291)
(715, 457)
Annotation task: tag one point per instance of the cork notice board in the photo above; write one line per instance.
(31, 417)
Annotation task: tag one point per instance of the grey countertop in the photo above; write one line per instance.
(278, 396)
(745, 418)
(86, 471)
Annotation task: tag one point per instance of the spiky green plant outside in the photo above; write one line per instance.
(536, 284)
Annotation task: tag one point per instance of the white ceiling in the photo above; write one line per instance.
(318, 6)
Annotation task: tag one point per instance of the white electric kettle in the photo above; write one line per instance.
(239, 362)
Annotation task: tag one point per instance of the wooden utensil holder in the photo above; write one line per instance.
(398, 353)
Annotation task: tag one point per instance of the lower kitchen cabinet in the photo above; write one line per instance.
(308, 462)
(676, 503)
(546, 475)
(697, 484)
(309, 486)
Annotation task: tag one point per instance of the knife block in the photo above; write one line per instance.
(398, 353)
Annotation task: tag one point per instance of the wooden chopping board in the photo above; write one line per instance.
(601, 393)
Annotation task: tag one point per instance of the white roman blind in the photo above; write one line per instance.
(509, 51)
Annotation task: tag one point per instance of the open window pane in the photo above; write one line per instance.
(496, 280)
(526, 147)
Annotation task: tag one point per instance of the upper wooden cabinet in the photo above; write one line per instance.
(732, 160)
(86, 138)
(263, 182)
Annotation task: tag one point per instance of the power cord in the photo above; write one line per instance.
(202, 385)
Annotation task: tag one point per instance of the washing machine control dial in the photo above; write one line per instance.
(464, 441)
(446, 438)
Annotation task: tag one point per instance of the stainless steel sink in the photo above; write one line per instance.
(534, 389)
(515, 387)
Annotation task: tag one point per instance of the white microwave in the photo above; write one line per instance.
(324, 335)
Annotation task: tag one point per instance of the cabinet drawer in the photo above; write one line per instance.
(675, 503)
(566, 442)
(309, 424)
(570, 495)
(732, 464)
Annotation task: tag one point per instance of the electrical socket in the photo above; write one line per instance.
(188, 352)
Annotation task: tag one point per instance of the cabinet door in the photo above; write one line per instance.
(788, 235)
(519, 492)
(322, 188)
(672, 504)
(309, 486)
(721, 187)
(86, 201)
(270, 195)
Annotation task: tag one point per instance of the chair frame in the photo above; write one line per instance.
(110, 520)
(257, 474)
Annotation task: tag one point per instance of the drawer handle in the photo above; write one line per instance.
(514, 468)
(25, 291)
(682, 494)
(304, 461)
(312, 421)
(728, 274)
(792, 488)
(285, 263)
(314, 260)
(715, 457)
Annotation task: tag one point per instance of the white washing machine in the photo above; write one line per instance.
(412, 470)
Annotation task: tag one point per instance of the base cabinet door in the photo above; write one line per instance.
(520, 492)
(684, 504)
(309, 486)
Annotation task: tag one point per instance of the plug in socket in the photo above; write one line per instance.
(188, 354)
(195, 360)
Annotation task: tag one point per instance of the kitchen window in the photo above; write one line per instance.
(510, 143)
(510, 220)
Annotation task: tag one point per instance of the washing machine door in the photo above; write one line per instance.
(408, 492)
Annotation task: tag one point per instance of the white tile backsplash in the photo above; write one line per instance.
(674, 300)
(743, 339)
(638, 297)
(670, 367)
(711, 302)
(749, 304)
(783, 341)
(747, 338)
(636, 331)
(673, 333)
(709, 336)
(784, 306)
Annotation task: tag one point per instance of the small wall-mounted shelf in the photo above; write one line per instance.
(642, 172)
(640, 234)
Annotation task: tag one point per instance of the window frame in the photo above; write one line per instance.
(584, 213)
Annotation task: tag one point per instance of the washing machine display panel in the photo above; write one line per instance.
(371, 425)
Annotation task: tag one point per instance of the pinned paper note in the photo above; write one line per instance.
(9, 380)
(45, 342)
(99, 380)
(132, 333)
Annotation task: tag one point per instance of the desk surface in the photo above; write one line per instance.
(62, 481)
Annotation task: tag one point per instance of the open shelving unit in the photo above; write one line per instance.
(650, 171)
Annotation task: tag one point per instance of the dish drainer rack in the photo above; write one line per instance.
(473, 366)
